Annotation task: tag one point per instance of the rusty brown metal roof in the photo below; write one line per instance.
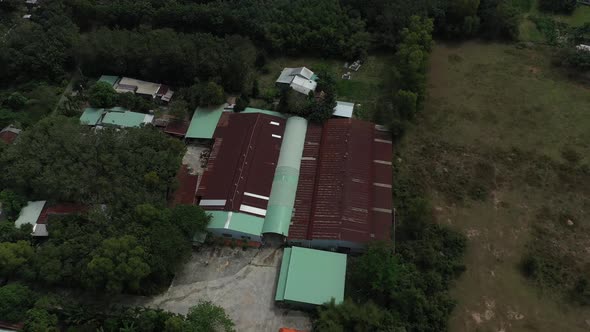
(344, 190)
(242, 163)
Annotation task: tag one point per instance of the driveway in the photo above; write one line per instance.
(242, 282)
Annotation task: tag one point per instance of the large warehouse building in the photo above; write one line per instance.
(325, 187)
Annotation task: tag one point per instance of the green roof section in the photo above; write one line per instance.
(109, 79)
(236, 221)
(204, 122)
(267, 112)
(126, 119)
(30, 213)
(309, 276)
(91, 116)
(284, 186)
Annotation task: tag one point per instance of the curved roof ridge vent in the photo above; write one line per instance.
(284, 186)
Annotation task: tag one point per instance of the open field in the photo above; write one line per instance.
(368, 87)
(490, 148)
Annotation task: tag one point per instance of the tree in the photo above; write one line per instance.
(174, 324)
(241, 104)
(12, 203)
(10, 233)
(350, 316)
(559, 6)
(40, 320)
(16, 101)
(190, 219)
(212, 95)
(102, 95)
(118, 264)
(14, 256)
(15, 300)
(206, 316)
(406, 102)
(178, 109)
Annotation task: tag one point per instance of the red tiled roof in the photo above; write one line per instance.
(12, 326)
(60, 209)
(242, 162)
(344, 190)
(185, 194)
(178, 128)
(8, 137)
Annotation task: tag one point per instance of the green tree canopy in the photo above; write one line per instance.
(14, 256)
(12, 203)
(212, 95)
(103, 167)
(40, 320)
(102, 95)
(206, 316)
(15, 300)
(119, 263)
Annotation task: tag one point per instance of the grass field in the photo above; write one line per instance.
(489, 148)
(368, 87)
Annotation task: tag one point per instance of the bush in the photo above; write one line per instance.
(558, 6)
(15, 300)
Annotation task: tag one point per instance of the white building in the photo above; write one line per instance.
(299, 79)
(343, 109)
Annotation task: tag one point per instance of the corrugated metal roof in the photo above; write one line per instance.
(60, 210)
(91, 116)
(344, 191)
(344, 109)
(242, 163)
(310, 276)
(187, 187)
(126, 119)
(30, 213)
(142, 87)
(112, 80)
(204, 122)
(177, 128)
(284, 186)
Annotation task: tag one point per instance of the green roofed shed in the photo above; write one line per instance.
(311, 277)
(204, 122)
(234, 221)
(112, 80)
(126, 119)
(286, 178)
(91, 116)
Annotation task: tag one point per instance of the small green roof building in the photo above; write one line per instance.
(204, 122)
(311, 277)
(92, 116)
(126, 119)
(109, 79)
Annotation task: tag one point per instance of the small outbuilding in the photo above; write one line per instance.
(299, 79)
(9, 134)
(311, 277)
(344, 109)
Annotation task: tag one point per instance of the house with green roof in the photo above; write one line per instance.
(116, 116)
(310, 277)
(109, 79)
(126, 119)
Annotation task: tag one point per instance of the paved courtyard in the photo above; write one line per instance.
(242, 282)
